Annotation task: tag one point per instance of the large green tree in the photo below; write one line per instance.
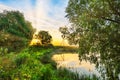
(14, 23)
(16, 32)
(96, 28)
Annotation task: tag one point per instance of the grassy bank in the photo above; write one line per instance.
(34, 63)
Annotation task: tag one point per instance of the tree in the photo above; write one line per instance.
(71, 34)
(14, 23)
(97, 23)
(44, 37)
(15, 31)
(65, 32)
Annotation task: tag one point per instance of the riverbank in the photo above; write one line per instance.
(34, 63)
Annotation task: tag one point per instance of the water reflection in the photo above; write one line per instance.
(71, 62)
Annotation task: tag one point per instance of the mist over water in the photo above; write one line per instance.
(71, 61)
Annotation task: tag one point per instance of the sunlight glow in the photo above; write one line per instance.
(46, 15)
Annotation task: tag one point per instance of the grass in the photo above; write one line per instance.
(34, 63)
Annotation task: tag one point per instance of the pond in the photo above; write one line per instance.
(71, 61)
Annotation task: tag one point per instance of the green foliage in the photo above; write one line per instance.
(44, 37)
(64, 31)
(15, 31)
(11, 42)
(3, 51)
(13, 22)
(96, 28)
(27, 65)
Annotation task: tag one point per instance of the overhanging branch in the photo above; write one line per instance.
(111, 20)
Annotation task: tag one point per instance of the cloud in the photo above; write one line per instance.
(3, 7)
(44, 14)
(48, 17)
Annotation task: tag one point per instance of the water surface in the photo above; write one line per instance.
(71, 61)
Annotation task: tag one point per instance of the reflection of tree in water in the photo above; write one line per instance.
(72, 63)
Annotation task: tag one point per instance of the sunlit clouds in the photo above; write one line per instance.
(43, 14)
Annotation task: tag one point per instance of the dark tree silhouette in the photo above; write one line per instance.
(44, 37)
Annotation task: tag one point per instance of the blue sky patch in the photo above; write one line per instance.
(33, 3)
(56, 2)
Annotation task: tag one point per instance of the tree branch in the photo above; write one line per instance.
(113, 8)
(111, 20)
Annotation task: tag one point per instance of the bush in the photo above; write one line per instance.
(34, 63)
(3, 51)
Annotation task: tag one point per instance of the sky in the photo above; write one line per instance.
(46, 15)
